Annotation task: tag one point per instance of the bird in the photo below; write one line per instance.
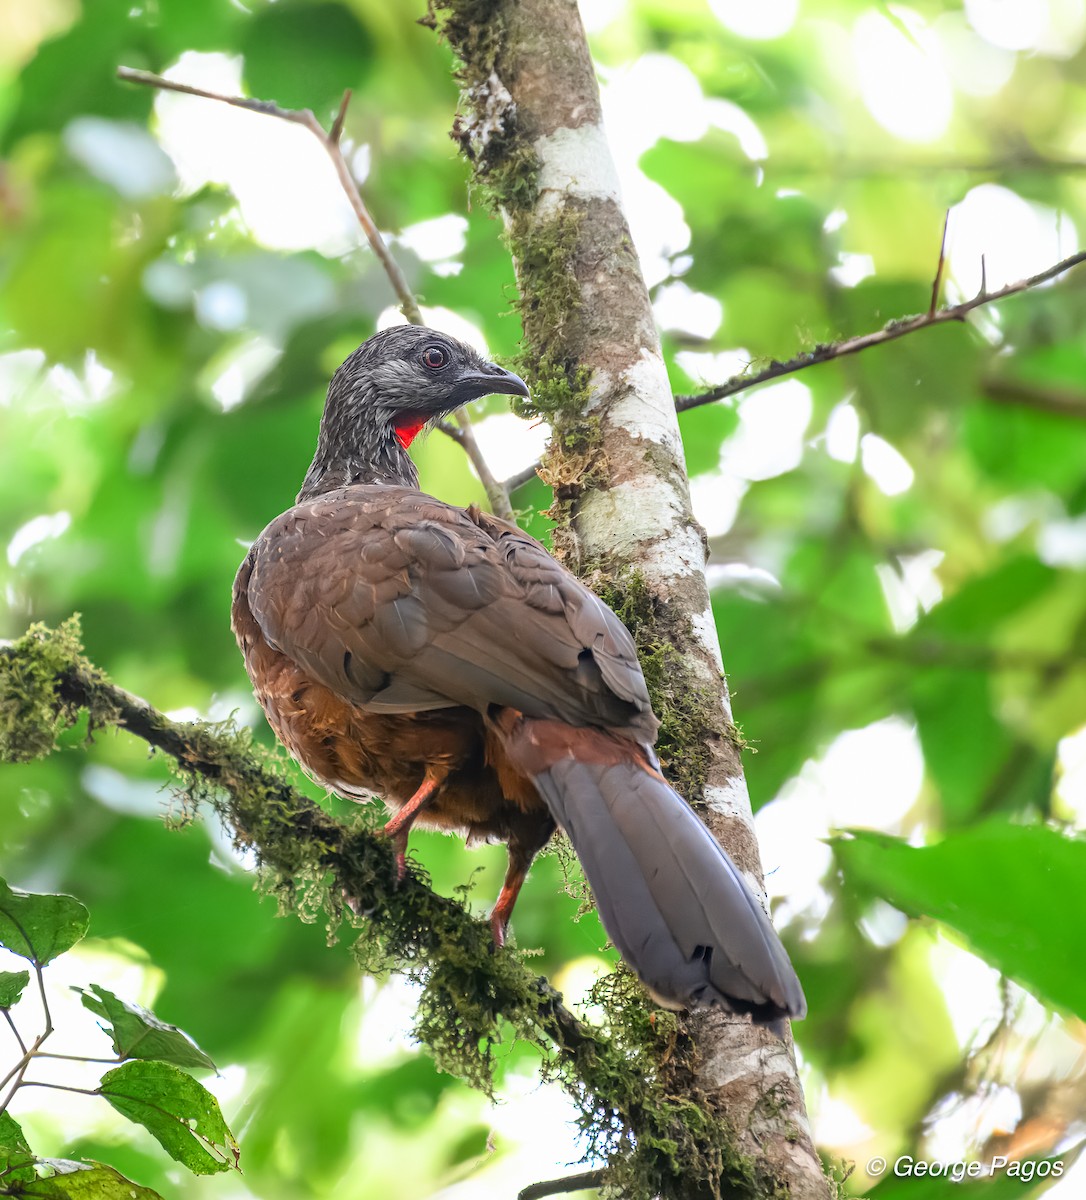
(442, 658)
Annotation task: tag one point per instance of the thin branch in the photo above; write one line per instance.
(14, 1029)
(1065, 402)
(1025, 161)
(450, 431)
(44, 1002)
(336, 132)
(83, 1058)
(464, 435)
(496, 493)
(266, 108)
(62, 1087)
(938, 281)
(521, 478)
(330, 140)
(558, 1187)
(19, 1070)
(21, 1065)
(828, 351)
(1046, 398)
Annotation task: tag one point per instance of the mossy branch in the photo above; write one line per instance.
(656, 1144)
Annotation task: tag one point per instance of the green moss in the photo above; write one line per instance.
(558, 393)
(33, 712)
(505, 169)
(545, 254)
(508, 174)
(545, 250)
(682, 1148)
(474, 31)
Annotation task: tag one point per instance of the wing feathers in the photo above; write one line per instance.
(447, 607)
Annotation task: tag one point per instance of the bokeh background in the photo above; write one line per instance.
(898, 538)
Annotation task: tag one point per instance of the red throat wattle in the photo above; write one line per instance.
(407, 428)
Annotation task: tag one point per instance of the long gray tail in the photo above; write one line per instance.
(675, 905)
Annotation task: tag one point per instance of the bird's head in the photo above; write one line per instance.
(396, 383)
(404, 377)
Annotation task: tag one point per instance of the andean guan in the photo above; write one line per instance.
(442, 658)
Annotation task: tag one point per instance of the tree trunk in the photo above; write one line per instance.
(533, 131)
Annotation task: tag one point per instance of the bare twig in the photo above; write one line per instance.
(18, 1072)
(15, 1030)
(44, 1001)
(557, 1187)
(1049, 399)
(83, 1058)
(1065, 402)
(496, 493)
(938, 281)
(336, 132)
(890, 332)
(266, 108)
(450, 431)
(1025, 161)
(521, 478)
(63, 1087)
(330, 140)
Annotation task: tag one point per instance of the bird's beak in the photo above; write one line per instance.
(490, 380)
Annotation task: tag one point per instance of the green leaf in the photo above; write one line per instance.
(138, 1033)
(39, 927)
(11, 986)
(1022, 448)
(16, 1158)
(305, 55)
(987, 601)
(70, 1180)
(73, 73)
(703, 431)
(964, 744)
(179, 1112)
(1013, 891)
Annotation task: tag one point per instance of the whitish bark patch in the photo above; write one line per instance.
(575, 163)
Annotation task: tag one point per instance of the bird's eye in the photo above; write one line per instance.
(434, 358)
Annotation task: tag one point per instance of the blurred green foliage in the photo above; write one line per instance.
(129, 488)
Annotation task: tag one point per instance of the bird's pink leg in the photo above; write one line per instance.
(502, 911)
(399, 828)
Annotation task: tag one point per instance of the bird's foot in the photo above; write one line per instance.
(399, 827)
(502, 912)
(399, 848)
